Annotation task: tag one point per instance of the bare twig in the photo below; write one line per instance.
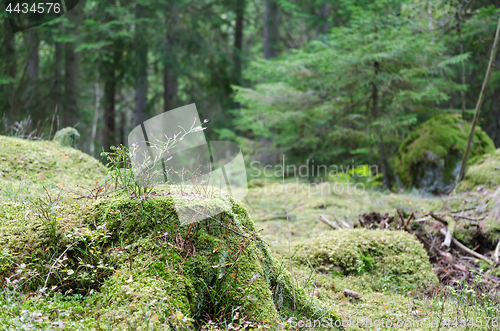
(328, 222)
(342, 223)
(465, 249)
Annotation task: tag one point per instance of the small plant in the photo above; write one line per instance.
(140, 177)
(45, 209)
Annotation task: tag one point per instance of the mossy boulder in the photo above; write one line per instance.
(485, 171)
(67, 137)
(393, 254)
(430, 157)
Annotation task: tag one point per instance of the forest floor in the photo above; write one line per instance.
(366, 291)
(467, 297)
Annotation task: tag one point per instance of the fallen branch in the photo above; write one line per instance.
(469, 218)
(465, 249)
(328, 222)
(342, 223)
(438, 218)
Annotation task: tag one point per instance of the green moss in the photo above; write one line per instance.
(67, 137)
(29, 162)
(394, 254)
(440, 141)
(485, 172)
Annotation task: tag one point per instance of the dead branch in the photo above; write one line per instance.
(342, 223)
(328, 222)
(465, 249)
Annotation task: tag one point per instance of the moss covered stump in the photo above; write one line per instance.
(430, 157)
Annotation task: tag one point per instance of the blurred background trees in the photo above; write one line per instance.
(336, 82)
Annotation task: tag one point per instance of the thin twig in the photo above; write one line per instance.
(328, 222)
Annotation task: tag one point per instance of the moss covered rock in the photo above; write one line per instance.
(67, 137)
(485, 171)
(393, 254)
(430, 157)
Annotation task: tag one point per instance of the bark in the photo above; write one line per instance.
(495, 114)
(109, 133)
(96, 117)
(10, 71)
(72, 71)
(271, 29)
(33, 64)
(461, 44)
(386, 179)
(141, 59)
(170, 83)
(58, 71)
(238, 40)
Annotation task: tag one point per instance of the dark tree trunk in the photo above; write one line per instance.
(10, 71)
(33, 62)
(141, 59)
(238, 40)
(495, 116)
(58, 71)
(386, 179)
(324, 12)
(72, 72)
(271, 29)
(109, 133)
(170, 82)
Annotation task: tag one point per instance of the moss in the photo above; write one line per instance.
(394, 254)
(43, 162)
(67, 137)
(485, 172)
(441, 141)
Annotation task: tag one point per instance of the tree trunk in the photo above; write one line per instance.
(109, 134)
(238, 40)
(72, 71)
(170, 82)
(461, 45)
(141, 59)
(386, 179)
(33, 64)
(495, 114)
(324, 12)
(58, 71)
(10, 71)
(271, 29)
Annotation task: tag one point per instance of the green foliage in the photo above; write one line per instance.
(319, 97)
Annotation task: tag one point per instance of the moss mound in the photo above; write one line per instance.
(393, 254)
(437, 146)
(67, 137)
(42, 162)
(128, 258)
(485, 172)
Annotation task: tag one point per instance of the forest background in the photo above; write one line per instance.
(337, 82)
